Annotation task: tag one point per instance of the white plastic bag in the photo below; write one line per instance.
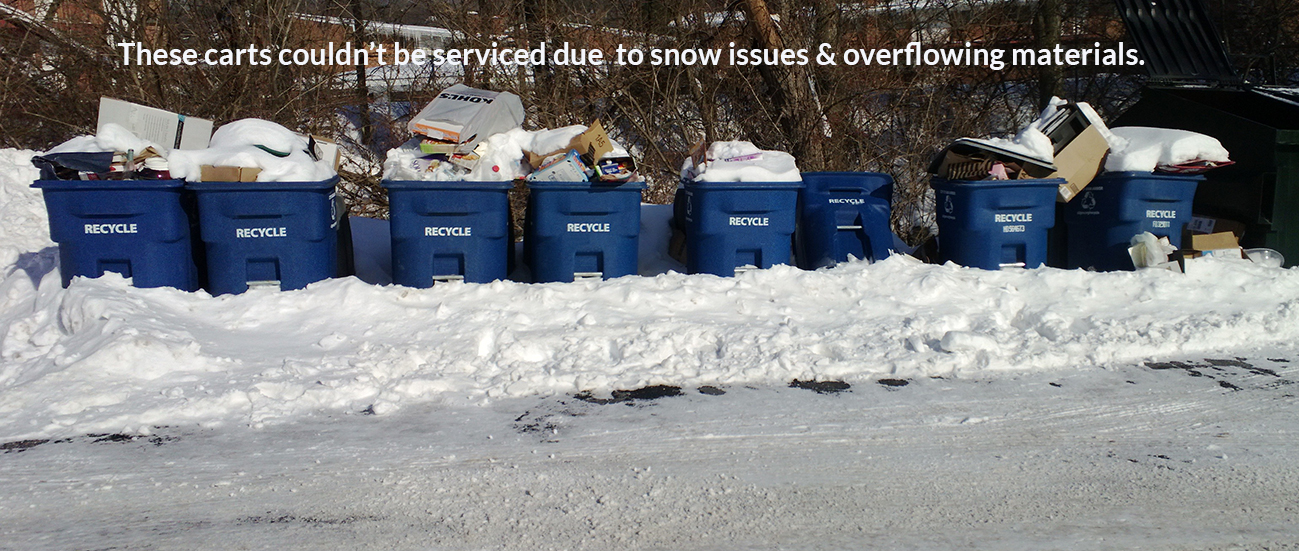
(1148, 251)
(467, 115)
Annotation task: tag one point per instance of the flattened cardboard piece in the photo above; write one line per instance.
(167, 129)
(1079, 162)
(1209, 224)
(567, 169)
(209, 173)
(1214, 241)
(592, 145)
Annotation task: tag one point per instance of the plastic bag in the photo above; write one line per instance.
(1148, 251)
(467, 115)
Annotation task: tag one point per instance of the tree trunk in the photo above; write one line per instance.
(362, 89)
(1046, 29)
(792, 92)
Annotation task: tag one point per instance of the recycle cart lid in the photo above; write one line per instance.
(1187, 178)
(745, 185)
(91, 185)
(587, 185)
(467, 185)
(262, 186)
(1026, 182)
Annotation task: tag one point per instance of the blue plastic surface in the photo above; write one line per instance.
(582, 229)
(141, 229)
(1101, 220)
(449, 230)
(992, 224)
(731, 225)
(842, 214)
(268, 233)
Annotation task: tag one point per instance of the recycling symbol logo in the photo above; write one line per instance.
(948, 206)
(690, 205)
(1088, 201)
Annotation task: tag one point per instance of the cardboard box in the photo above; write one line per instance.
(1201, 224)
(1214, 241)
(1079, 162)
(591, 145)
(1217, 245)
(326, 150)
(167, 129)
(677, 245)
(955, 166)
(432, 147)
(567, 169)
(209, 173)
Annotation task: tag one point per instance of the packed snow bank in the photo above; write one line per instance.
(26, 229)
(102, 356)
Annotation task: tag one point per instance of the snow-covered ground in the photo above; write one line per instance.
(1022, 409)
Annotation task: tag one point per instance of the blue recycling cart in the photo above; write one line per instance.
(843, 214)
(449, 231)
(582, 230)
(742, 225)
(1101, 220)
(141, 229)
(280, 234)
(994, 224)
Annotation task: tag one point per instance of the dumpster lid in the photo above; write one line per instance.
(1177, 40)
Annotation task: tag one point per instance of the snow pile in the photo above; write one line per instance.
(254, 143)
(1029, 142)
(110, 138)
(741, 161)
(103, 356)
(1143, 149)
(26, 229)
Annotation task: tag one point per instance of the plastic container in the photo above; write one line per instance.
(582, 230)
(842, 214)
(282, 234)
(744, 225)
(449, 231)
(1265, 257)
(1101, 220)
(993, 224)
(142, 229)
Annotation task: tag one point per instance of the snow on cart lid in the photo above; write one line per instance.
(741, 161)
(1165, 149)
(261, 150)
